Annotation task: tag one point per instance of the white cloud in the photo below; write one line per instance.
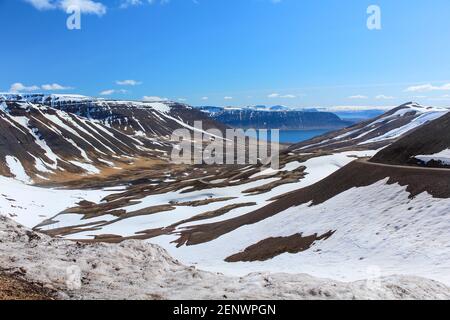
(384, 97)
(428, 87)
(358, 96)
(86, 6)
(205, 98)
(285, 96)
(228, 98)
(54, 87)
(128, 82)
(42, 4)
(154, 98)
(20, 87)
(131, 3)
(107, 92)
(112, 91)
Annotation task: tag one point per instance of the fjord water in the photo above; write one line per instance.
(295, 136)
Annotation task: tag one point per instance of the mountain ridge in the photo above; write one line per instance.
(275, 117)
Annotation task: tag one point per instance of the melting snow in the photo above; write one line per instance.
(30, 205)
(16, 168)
(137, 270)
(377, 226)
(443, 156)
(91, 169)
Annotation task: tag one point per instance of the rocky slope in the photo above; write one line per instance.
(375, 133)
(427, 146)
(136, 270)
(15, 287)
(43, 136)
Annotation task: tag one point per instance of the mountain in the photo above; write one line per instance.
(275, 117)
(215, 109)
(358, 115)
(428, 146)
(45, 135)
(375, 133)
(339, 206)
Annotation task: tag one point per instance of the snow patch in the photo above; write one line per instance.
(91, 169)
(17, 170)
(443, 157)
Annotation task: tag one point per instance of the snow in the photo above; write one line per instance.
(443, 157)
(180, 122)
(409, 108)
(158, 106)
(24, 121)
(316, 169)
(30, 205)
(40, 165)
(137, 270)
(17, 170)
(108, 163)
(57, 121)
(377, 226)
(423, 116)
(91, 169)
(39, 97)
(415, 123)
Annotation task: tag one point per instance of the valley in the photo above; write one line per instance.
(336, 208)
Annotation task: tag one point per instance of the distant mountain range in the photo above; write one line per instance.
(275, 117)
(358, 115)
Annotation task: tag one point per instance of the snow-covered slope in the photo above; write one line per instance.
(378, 132)
(426, 146)
(45, 135)
(136, 270)
(442, 157)
(336, 222)
(30, 205)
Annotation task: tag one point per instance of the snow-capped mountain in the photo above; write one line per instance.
(66, 134)
(375, 133)
(428, 145)
(215, 109)
(274, 117)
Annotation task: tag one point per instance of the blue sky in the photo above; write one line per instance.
(231, 52)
